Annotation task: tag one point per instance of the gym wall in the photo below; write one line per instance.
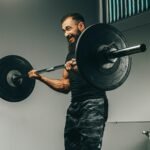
(131, 101)
(129, 113)
(31, 29)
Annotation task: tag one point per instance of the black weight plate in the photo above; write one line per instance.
(10, 66)
(91, 64)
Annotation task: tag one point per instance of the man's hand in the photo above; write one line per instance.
(71, 65)
(34, 74)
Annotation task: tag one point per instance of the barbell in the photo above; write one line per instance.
(102, 58)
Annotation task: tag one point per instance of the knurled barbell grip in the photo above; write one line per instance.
(50, 69)
(40, 71)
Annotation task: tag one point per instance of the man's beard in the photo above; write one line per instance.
(72, 46)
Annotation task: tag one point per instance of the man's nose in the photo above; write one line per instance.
(66, 34)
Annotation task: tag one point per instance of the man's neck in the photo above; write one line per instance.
(72, 47)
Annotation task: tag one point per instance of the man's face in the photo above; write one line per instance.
(72, 29)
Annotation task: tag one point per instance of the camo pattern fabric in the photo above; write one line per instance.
(85, 123)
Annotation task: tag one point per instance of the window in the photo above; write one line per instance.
(114, 10)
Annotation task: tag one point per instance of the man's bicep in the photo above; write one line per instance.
(65, 80)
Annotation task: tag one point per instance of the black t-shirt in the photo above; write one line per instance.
(81, 89)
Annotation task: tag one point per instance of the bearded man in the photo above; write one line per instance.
(88, 110)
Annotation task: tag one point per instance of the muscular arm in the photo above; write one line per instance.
(61, 85)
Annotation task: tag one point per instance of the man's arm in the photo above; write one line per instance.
(60, 85)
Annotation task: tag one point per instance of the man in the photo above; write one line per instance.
(87, 113)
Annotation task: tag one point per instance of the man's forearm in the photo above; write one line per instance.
(60, 85)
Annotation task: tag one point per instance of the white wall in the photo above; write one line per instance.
(131, 101)
(31, 29)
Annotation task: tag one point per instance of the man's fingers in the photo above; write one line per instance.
(32, 74)
(71, 64)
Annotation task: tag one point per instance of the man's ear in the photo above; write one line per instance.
(81, 26)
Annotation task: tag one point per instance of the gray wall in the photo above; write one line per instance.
(131, 101)
(129, 105)
(126, 136)
(31, 29)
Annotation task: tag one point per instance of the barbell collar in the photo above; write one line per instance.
(125, 52)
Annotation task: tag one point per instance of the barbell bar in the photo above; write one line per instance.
(54, 68)
(102, 57)
(108, 54)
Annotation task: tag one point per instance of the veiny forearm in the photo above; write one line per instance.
(60, 85)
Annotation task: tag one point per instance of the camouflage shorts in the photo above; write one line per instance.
(85, 123)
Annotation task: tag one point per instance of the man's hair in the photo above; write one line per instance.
(75, 16)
